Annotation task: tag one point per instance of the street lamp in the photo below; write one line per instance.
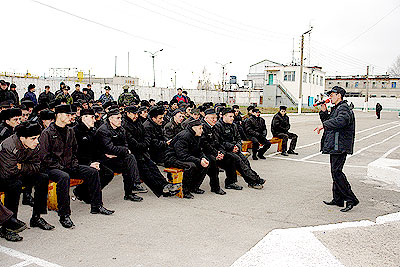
(154, 72)
(223, 73)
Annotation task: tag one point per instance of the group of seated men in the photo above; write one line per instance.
(90, 141)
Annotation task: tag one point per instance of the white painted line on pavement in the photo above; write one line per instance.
(390, 151)
(357, 140)
(299, 246)
(317, 162)
(26, 258)
(367, 147)
(22, 263)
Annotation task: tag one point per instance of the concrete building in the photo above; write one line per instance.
(356, 86)
(281, 83)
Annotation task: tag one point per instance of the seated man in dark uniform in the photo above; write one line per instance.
(10, 119)
(229, 138)
(280, 128)
(137, 143)
(174, 126)
(239, 122)
(115, 154)
(256, 131)
(185, 153)
(194, 114)
(88, 153)
(58, 149)
(20, 166)
(154, 134)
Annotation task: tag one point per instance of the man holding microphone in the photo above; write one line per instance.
(338, 141)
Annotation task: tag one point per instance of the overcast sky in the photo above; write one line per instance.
(346, 37)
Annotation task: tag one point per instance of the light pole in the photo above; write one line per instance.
(154, 71)
(175, 78)
(223, 73)
(301, 71)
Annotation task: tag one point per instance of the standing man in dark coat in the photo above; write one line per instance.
(90, 92)
(46, 96)
(20, 166)
(280, 128)
(114, 154)
(58, 149)
(228, 136)
(338, 141)
(13, 89)
(154, 134)
(378, 109)
(5, 94)
(185, 153)
(174, 126)
(31, 94)
(77, 94)
(137, 143)
(256, 131)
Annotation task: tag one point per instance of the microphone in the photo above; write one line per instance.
(322, 102)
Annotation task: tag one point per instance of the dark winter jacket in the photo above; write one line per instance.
(111, 141)
(7, 95)
(46, 98)
(5, 131)
(87, 146)
(280, 124)
(255, 127)
(186, 147)
(31, 96)
(209, 141)
(156, 139)
(135, 135)
(12, 152)
(171, 129)
(54, 152)
(76, 95)
(339, 129)
(228, 135)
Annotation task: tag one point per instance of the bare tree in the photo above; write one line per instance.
(395, 68)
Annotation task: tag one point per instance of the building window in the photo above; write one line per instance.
(393, 84)
(383, 95)
(374, 85)
(356, 85)
(383, 85)
(393, 96)
(313, 79)
(321, 81)
(347, 84)
(289, 76)
(305, 77)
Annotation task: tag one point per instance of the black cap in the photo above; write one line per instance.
(176, 111)
(250, 108)
(3, 82)
(40, 107)
(156, 111)
(195, 111)
(31, 86)
(10, 113)
(47, 115)
(107, 87)
(98, 109)
(112, 112)
(63, 109)
(225, 111)
(210, 111)
(132, 109)
(28, 103)
(256, 110)
(193, 123)
(28, 129)
(338, 90)
(282, 108)
(88, 111)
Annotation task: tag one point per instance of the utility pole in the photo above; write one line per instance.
(153, 55)
(115, 71)
(128, 64)
(301, 72)
(366, 94)
(223, 73)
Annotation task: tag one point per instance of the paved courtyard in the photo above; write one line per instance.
(213, 230)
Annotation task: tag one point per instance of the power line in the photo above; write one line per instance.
(100, 24)
(376, 23)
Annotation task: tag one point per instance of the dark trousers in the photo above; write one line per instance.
(12, 189)
(228, 164)
(256, 145)
(341, 187)
(193, 175)
(129, 168)
(243, 135)
(90, 177)
(106, 176)
(151, 175)
(242, 165)
(5, 214)
(378, 115)
(285, 137)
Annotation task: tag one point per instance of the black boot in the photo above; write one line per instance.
(27, 199)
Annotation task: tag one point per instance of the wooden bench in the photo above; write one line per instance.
(52, 203)
(274, 140)
(175, 178)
